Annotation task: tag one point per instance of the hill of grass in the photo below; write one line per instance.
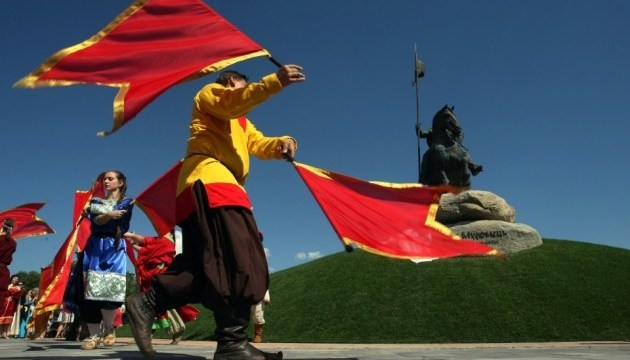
(560, 291)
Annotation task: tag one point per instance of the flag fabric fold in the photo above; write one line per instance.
(158, 201)
(150, 47)
(26, 221)
(388, 219)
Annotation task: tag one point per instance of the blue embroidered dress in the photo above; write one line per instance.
(104, 259)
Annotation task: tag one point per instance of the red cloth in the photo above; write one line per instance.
(187, 313)
(154, 257)
(118, 318)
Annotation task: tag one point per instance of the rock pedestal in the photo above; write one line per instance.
(486, 218)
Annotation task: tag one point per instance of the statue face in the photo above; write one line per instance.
(445, 121)
(453, 125)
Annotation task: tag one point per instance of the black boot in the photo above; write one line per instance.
(240, 349)
(141, 309)
(231, 334)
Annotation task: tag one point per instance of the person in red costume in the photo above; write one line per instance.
(7, 248)
(153, 255)
(10, 305)
(8, 295)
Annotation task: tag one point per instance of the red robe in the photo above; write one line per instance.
(10, 304)
(7, 248)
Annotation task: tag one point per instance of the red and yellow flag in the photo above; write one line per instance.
(158, 201)
(39, 323)
(394, 220)
(26, 223)
(148, 48)
(52, 297)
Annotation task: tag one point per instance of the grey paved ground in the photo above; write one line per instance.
(126, 349)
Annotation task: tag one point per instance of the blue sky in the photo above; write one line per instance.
(540, 88)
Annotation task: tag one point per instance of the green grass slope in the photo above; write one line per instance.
(560, 291)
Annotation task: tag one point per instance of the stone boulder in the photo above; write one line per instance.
(473, 205)
(504, 236)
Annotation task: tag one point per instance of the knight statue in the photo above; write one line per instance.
(447, 161)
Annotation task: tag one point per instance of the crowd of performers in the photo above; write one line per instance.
(17, 302)
(223, 265)
(93, 302)
(97, 286)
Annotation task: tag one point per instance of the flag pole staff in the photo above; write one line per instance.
(418, 73)
(275, 62)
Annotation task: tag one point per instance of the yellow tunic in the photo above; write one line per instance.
(221, 140)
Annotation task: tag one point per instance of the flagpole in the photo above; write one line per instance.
(275, 62)
(418, 73)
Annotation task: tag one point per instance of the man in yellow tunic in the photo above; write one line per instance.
(223, 264)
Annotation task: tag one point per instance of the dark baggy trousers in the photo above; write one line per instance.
(222, 265)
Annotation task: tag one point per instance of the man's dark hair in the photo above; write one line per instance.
(225, 76)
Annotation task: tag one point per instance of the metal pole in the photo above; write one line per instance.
(418, 73)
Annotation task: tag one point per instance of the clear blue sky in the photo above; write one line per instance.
(541, 88)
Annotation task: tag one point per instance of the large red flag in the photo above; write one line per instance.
(39, 323)
(158, 201)
(148, 48)
(52, 297)
(394, 220)
(25, 221)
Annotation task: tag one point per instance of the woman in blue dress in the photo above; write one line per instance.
(104, 260)
(28, 306)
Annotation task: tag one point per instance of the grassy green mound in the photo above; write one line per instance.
(560, 291)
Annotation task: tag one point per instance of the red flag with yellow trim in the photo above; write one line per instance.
(25, 221)
(158, 201)
(52, 297)
(39, 323)
(150, 47)
(393, 220)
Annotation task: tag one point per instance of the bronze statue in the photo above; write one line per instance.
(447, 161)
